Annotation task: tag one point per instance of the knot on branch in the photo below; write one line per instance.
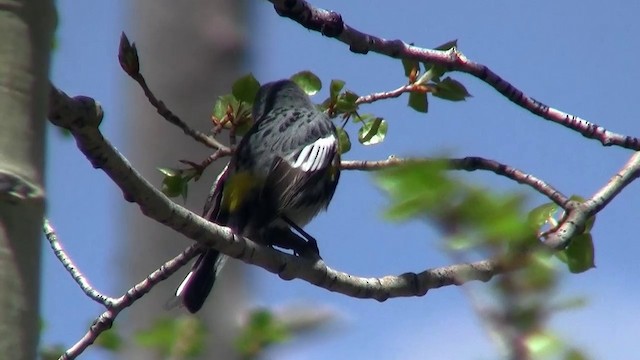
(328, 23)
(333, 25)
(73, 113)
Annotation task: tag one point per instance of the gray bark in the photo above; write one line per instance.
(26, 38)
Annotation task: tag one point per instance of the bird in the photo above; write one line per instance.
(283, 172)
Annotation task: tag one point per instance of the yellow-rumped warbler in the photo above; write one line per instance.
(283, 172)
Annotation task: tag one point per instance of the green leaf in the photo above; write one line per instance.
(308, 82)
(306, 319)
(180, 337)
(373, 132)
(335, 88)
(416, 189)
(161, 335)
(575, 354)
(363, 118)
(243, 120)
(245, 89)
(541, 214)
(589, 224)
(539, 274)
(570, 304)
(224, 102)
(325, 105)
(170, 171)
(418, 102)
(495, 217)
(542, 344)
(577, 198)
(262, 330)
(579, 255)
(409, 65)
(109, 340)
(433, 72)
(448, 45)
(347, 102)
(459, 242)
(449, 89)
(234, 112)
(173, 184)
(190, 336)
(475, 217)
(219, 109)
(343, 141)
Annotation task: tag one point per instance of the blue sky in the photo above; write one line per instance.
(578, 56)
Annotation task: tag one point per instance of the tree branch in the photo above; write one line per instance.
(471, 163)
(330, 24)
(71, 268)
(368, 99)
(81, 116)
(128, 58)
(629, 172)
(105, 320)
(113, 306)
(579, 213)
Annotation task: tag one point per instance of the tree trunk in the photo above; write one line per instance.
(26, 38)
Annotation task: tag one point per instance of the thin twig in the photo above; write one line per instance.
(471, 163)
(168, 115)
(199, 168)
(104, 322)
(330, 24)
(575, 219)
(72, 269)
(130, 63)
(113, 306)
(368, 99)
(629, 172)
(82, 116)
(79, 116)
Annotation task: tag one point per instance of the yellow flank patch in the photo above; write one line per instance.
(236, 189)
(333, 171)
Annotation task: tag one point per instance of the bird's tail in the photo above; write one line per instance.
(196, 286)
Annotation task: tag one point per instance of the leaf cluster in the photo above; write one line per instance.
(429, 79)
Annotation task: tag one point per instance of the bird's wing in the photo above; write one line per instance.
(308, 169)
(197, 285)
(212, 204)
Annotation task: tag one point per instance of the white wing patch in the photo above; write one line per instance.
(222, 259)
(183, 284)
(315, 156)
